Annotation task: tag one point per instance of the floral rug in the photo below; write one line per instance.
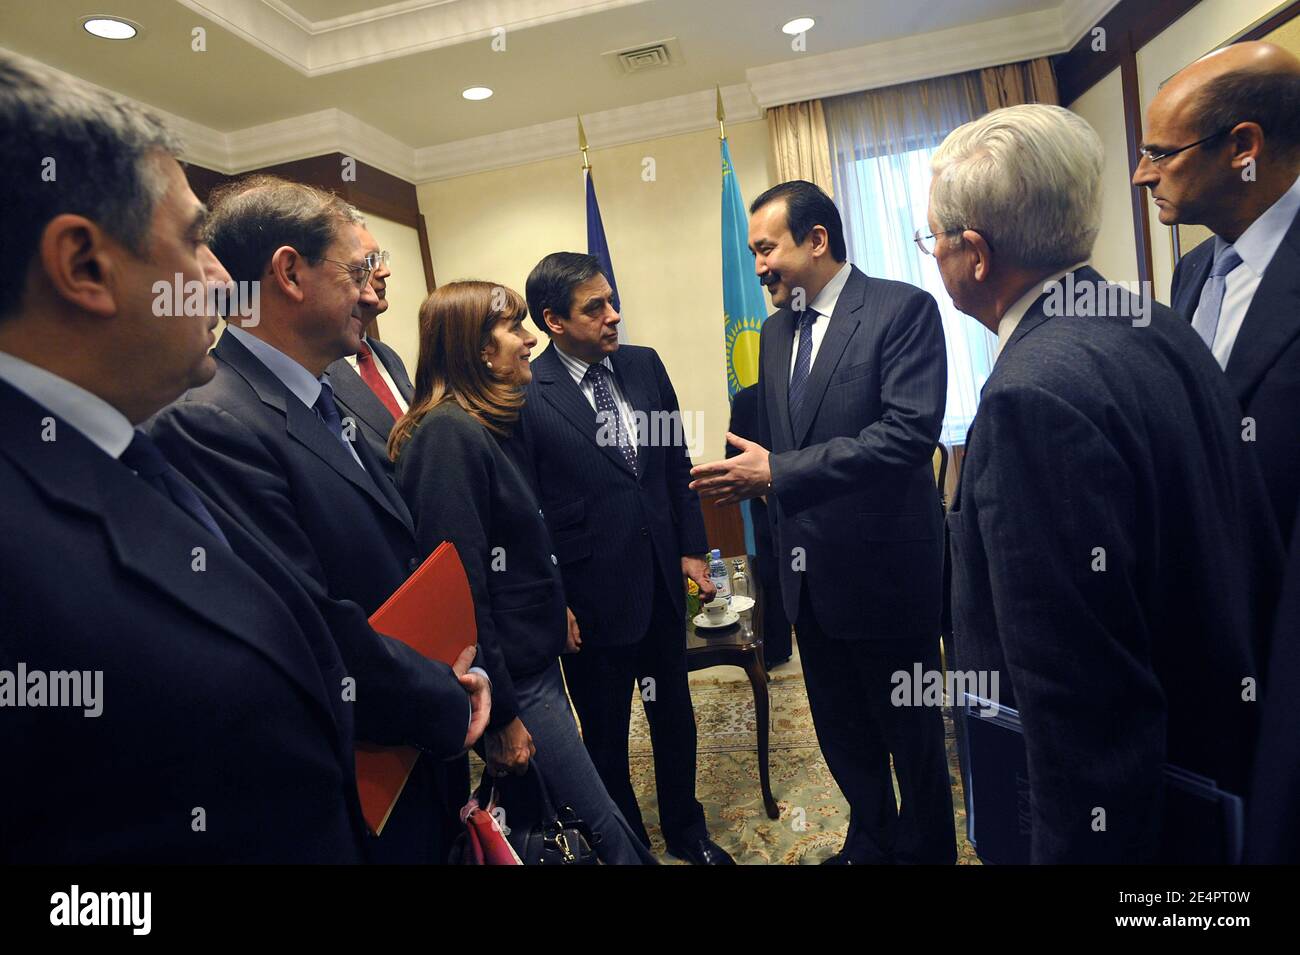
(814, 814)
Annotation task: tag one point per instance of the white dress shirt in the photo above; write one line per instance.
(1256, 246)
(101, 423)
(578, 370)
(383, 373)
(292, 375)
(824, 305)
(1010, 319)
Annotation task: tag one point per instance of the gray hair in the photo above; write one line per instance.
(71, 148)
(1028, 178)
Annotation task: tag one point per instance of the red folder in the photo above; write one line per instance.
(433, 612)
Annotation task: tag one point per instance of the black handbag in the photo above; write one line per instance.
(537, 832)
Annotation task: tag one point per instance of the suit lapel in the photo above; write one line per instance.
(843, 323)
(302, 424)
(152, 538)
(777, 372)
(1272, 320)
(558, 387)
(1197, 269)
(351, 390)
(396, 370)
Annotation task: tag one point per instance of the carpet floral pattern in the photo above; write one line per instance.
(814, 814)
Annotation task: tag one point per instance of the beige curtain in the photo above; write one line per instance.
(1016, 83)
(800, 146)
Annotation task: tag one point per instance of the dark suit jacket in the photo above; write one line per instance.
(1264, 367)
(463, 488)
(852, 478)
(220, 686)
(744, 423)
(356, 399)
(1100, 440)
(270, 463)
(612, 528)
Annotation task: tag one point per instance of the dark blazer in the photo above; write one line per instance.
(463, 488)
(251, 445)
(220, 686)
(1264, 367)
(744, 423)
(374, 422)
(852, 478)
(1097, 440)
(612, 528)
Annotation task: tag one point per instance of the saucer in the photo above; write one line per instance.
(730, 618)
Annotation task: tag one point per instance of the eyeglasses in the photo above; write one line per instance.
(360, 273)
(1156, 156)
(376, 259)
(926, 242)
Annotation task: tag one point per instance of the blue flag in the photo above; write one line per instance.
(743, 306)
(597, 244)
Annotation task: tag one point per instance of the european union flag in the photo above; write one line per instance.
(743, 306)
(597, 244)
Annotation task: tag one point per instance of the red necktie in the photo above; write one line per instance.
(370, 375)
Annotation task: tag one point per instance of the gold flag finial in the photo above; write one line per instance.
(582, 144)
(722, 114)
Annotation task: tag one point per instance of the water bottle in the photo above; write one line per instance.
(718, 574)
(739, 579)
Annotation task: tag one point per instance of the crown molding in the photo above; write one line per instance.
(316, 48)
(1080, 16)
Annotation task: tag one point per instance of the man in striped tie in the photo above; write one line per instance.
(852, 385)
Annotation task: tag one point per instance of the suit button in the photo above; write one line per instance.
(553, 560)
(645, 532)
(413, 565)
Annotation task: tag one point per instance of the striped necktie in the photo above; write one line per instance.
(802, 362)
(607, 409)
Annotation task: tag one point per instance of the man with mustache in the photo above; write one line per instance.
(852, 385)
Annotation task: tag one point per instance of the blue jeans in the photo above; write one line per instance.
(571, 779)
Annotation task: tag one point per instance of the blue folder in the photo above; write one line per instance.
(1203, 824)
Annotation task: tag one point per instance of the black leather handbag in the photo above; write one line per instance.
(539, 833)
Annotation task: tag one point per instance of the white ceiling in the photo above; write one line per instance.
(282, 79)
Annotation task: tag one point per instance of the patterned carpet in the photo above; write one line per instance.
(814, 815)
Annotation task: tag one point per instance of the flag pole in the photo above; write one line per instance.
(582, 145)
(722, 115)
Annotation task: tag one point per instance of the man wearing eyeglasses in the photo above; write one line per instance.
(266, 438)
(1223, 150)
(372, 386)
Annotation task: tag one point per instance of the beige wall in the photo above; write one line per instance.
(1115, 255)
(664, 238)
(1206, 26)
(405, 289)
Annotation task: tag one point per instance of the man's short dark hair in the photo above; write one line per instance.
(552, 281)
(71, 148)
(1268, 97)
(807, 206)
(254, 216)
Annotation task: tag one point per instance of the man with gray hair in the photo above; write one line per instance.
(1111, 550)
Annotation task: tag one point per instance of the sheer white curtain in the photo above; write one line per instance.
(881, 142)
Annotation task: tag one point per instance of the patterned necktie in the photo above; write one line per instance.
(1206, 320)
(802, 362)
(607, 409)
(369, 372)
(143, 457)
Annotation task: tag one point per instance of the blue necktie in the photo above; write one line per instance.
(802, 362)
(608, 409)
(1206, 320)
(328, 410)
(143, 457)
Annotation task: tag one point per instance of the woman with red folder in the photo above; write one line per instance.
(462, 485)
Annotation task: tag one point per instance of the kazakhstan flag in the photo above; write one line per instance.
(743, 306)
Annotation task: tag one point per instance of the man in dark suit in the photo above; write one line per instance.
(372, 386)
(207, 722)
(776, 628)
(852, 384)
(601, 438)
(1114, 561)
(1223, 150)
(265, 439)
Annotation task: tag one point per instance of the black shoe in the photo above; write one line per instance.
(840, 858)
(702, 852)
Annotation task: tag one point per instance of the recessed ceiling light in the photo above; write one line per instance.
(110, 28)
(476, 92)
(798, 25)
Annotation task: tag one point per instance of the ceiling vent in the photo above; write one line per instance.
(643, 59)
